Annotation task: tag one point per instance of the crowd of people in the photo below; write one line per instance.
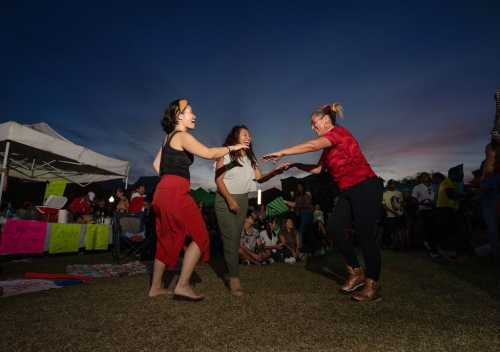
(436, 215)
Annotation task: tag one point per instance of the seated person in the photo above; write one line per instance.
(123, 203)
(137, 201)
(250, 244)
(271, 241)
(101, 210)
(289, 236)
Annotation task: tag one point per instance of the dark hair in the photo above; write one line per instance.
(330, 111)
(169, 120)
(439, 175)
(305, 188)
(284, 229)
(233, 138)
(267, 223)
(249, 213)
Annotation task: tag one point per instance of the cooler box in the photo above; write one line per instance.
(50, 209)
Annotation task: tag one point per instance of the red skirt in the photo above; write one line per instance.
(177, 215)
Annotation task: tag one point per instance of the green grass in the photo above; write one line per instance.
(427, 305)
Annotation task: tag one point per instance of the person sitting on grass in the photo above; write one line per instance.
(271, 241)
(251, 251)
(289, 236)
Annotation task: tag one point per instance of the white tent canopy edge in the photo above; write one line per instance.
(37, 152)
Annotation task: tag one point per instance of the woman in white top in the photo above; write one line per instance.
(272, 242)
(235, 176)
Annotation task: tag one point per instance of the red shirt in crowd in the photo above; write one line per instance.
(80, 205)
(344, 159)
(136, 204)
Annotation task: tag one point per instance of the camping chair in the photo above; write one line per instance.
(133, 236)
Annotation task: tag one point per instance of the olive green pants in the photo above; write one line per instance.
(231, 225)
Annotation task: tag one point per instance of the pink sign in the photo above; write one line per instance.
(23, 237)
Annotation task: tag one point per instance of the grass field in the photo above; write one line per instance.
(427, 305)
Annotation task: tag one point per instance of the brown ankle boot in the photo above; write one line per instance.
(356, 279)
(370, 292)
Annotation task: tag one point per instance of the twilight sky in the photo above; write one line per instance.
(416, 78)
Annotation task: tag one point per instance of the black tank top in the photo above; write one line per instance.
(175, 162)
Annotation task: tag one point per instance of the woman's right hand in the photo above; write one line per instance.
(275, 157)
(233, 205)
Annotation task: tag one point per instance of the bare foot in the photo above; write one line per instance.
(159, 292)
(187, 291)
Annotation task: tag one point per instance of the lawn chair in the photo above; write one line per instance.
(133, 236)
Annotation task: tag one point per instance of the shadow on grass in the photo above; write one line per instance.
(330, 265)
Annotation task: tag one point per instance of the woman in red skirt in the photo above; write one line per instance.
(178, 219)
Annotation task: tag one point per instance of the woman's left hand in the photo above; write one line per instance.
(238, 147)
(278, 170)
(275, 157)
(287, 165)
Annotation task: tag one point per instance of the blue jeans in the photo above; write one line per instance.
(491, 217)
(305, 230)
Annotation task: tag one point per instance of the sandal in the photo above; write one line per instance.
(237, 292)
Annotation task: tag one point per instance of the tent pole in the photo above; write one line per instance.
(5, 159)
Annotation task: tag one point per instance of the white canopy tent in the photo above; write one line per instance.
(37, 152)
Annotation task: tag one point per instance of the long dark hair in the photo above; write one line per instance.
(233, 138)
(169, 120)
(267, 223)
(305, 188)
(284, 229)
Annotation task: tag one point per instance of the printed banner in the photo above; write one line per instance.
(97, 237)
(55, 188)
(64, 238)
(23, 237)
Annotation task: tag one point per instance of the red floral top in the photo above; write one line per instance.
(344, 159)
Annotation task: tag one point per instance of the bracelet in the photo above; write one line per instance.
(272, 173)
(228, 149)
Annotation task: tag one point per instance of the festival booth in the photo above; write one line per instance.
(37, 152)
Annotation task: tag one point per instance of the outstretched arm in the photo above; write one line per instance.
(187, 142)
(305, 147)
(261, 178)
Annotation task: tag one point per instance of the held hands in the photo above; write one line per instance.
(287, 165)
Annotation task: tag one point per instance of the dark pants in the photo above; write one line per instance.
(359, 203)
(305, 230)
(430, 229)
(450, 223)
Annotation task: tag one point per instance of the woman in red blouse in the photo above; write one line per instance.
(359, 201)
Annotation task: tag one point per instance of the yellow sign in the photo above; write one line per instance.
(64, 238)
(97, 237)
(56, 188)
